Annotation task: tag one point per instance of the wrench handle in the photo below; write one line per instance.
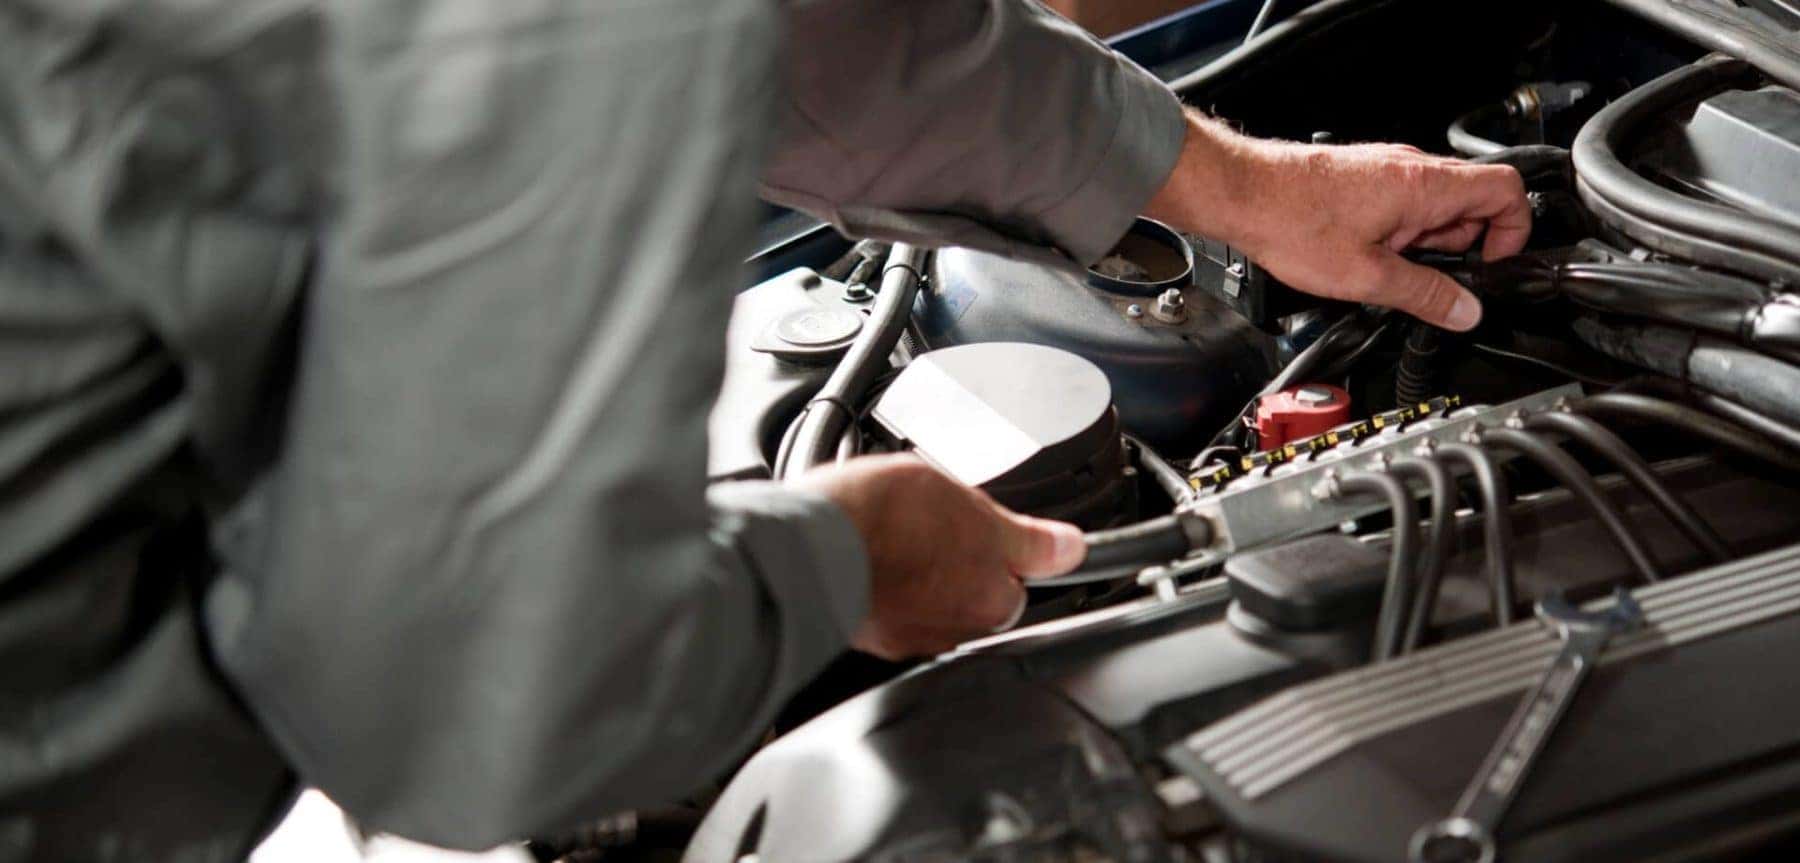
(1497, 783)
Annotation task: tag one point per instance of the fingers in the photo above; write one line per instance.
(1040, 548)
(995, 602)
(1454, 238)
(1495, 196)
(1422, 292)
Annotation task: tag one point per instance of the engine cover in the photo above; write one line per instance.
(1349, 766)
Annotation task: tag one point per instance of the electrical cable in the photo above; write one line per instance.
(1762, 424)
(1611, 447)
(1565, 470)
(1698, 423)
(1262, 20)
(824, 419)
(1496, 524)
(1402, 559)
(1440, 544)
(1167, 477)
(1542, 363)
(1672, 388)
(1211, 455)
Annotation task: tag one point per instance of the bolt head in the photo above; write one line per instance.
(1171, 299)
(1134, 311)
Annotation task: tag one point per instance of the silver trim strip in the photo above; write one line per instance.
(1265, 746)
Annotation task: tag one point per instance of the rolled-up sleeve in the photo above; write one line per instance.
(995, 124)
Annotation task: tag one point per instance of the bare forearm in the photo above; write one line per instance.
(1331, 220)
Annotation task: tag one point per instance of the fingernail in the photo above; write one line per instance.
(1465, 314)
(1071, 549)
(1017, 615)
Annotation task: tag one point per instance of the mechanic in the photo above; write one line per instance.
(358, 356)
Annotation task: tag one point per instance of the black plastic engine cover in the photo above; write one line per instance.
(947, 764)
(1684, 729)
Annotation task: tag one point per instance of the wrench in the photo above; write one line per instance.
(1467, 836)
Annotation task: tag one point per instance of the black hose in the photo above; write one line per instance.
(1167, 477)
(1402, 560)
(1565, 470)
(1123, 551)
(1727, 28)
(1439, 545)
(1415, 379)
(1698, 423)
(825, 418)
(1662, 219)
(1751, 378)
(1611, 447)
(1496, 524)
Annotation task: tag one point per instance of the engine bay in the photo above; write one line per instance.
(1358, 588)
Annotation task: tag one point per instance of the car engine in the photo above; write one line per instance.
(1358, 588)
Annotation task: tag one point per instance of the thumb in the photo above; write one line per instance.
(1040, 548)
(1423, 292)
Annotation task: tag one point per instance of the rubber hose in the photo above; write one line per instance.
(1665, 220)
(1124, 551)
(825, 418)
(1496, 525)
(1415, 380)
(1465, 142)
(1440, 544)
(1636, 471)
(1563, 467)
(1396, 598)
(1725, 28)
(1753, 379)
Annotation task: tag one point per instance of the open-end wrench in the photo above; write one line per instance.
(1467, 836)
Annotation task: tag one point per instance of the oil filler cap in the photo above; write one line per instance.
(1034, 426)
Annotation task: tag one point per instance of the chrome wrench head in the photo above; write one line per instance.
(1467, 836)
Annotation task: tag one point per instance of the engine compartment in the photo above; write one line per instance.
(1322, 530)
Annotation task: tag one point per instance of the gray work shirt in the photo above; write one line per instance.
(355, 358)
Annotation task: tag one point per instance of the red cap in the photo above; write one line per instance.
(1300, 412)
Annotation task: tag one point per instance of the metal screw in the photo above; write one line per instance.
(1134, 311)
(858, 293)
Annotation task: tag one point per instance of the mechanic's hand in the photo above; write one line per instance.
(1332, 220)
(945, 560)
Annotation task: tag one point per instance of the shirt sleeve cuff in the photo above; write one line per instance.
(806, 551)
(1145, 146)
